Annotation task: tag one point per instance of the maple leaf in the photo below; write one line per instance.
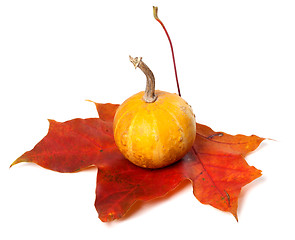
(215, 165)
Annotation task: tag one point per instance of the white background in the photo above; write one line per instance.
(235, 63)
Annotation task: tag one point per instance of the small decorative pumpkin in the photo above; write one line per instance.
(154, 129)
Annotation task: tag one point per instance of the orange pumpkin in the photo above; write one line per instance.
(154, 129)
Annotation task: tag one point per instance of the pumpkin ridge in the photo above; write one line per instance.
(130, 135)
(173, 116)
(126, 112)
(157, 153)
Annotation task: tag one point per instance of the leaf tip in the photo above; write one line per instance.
(19, 160)
(50, 120)
(109, 217)
(236, 217)
(234, 212)
(13, 164)
(87, 100)
(51, 123)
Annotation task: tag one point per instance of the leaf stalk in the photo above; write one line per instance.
(155, 12)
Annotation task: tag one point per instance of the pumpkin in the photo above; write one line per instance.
(154, 129)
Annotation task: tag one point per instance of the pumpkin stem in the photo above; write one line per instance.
(149, 95)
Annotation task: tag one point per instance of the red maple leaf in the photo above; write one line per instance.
(215, 165)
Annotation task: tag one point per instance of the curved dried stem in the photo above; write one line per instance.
(149, 95)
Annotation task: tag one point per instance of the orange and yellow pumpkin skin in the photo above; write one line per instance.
(154, 135)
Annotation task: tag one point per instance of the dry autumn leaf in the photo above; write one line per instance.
(215, 165)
